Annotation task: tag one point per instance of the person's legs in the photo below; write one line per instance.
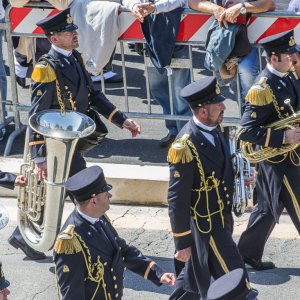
(290, 197)
(3, 80)
(248, 70)
(253, 239)
(160, 92)
(180, 293)
(181, 77)
(223, 255)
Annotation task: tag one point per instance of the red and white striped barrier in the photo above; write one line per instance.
(193, 27)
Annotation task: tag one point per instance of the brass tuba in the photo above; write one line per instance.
(241, 167)
(40, 203)
(266, 153)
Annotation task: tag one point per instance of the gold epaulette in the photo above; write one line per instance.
(67, 242)
(180, 152)
(43, 73)
(260, 93)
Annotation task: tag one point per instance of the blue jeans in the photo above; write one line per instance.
(248, 70)
(160, 91)
(3, 80)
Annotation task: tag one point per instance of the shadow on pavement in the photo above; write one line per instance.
(138, 283)
(145, 150)
(273, 277)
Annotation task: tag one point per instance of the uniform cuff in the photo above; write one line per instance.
(182, 242)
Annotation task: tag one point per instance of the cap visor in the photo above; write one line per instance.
(69, 28)
(106, 188)
(218, 99)
(295, 49)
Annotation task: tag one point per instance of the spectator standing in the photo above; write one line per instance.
(227, 11)
(159, 82)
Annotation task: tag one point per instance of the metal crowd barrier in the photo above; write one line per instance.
(192, 33)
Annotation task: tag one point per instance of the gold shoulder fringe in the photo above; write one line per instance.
(180, 152)
(67, 242)
(43, 73)
(260, 93)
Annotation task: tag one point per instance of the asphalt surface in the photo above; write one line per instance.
(148, 228)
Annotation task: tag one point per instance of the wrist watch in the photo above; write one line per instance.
(243, 9)
(155, 8)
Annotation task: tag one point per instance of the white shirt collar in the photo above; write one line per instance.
(275, 72)
(62, 51)
(201, 125)
(88, 218)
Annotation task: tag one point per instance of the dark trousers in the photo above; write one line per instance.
(223, 257)
(262, 221)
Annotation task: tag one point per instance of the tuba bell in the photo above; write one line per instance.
(40, 203)
(241, 167)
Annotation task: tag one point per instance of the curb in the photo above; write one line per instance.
(132, 184)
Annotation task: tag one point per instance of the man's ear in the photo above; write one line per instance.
(53, 38)
(274, 58)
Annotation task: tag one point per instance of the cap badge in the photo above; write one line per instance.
(217, 89)
(69, 19)
(292, 41)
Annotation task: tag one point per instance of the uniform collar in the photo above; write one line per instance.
(62, 51)
(88, 218)
(203, 126)
(275, 72)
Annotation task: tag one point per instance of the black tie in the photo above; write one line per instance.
(99, 226)
(215, 133)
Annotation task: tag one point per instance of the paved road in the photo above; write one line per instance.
(148, 228)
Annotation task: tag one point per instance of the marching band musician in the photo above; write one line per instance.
(200, 195)
(89, 255)
(274, 96)
(64, 85)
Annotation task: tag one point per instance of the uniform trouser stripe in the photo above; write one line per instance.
(218, 255)
(293, 197)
